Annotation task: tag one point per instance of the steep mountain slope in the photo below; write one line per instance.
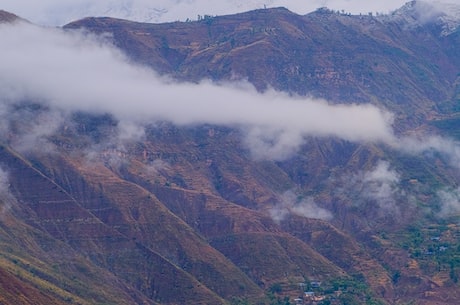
(407, 70)
(187, 215)
(7, 17)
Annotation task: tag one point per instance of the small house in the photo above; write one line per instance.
(315, 284)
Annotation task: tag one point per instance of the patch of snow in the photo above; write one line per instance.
(419, 13)
(166, 10)
(451, 18)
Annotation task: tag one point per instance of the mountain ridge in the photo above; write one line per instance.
(6, 17)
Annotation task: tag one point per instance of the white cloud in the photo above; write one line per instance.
(157, 166)
(4, 182)
(305, 207)
(377, 188)
(36, 125)
(74, 71)
(55, 12)
(450, 202)
(6, 198)
(381, 174)
(448, 148)
(382, 186)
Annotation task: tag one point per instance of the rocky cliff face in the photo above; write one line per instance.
(188, 215)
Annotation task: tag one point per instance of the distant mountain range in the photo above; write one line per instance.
(91, 212)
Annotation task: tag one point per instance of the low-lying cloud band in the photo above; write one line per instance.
(76, 71)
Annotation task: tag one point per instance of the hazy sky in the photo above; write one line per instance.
(59, 12)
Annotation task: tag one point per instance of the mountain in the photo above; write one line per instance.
(188, 215)
(298, 56)
(7, 17)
